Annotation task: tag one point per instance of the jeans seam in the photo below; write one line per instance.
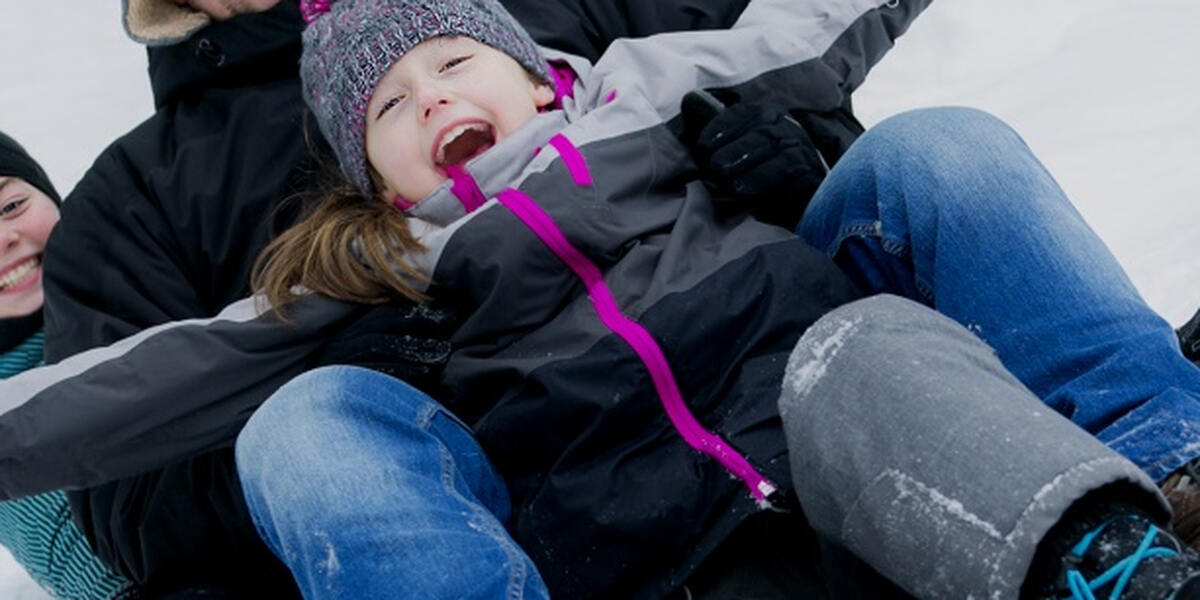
(891, 246)
(517, 572)
(849, 230)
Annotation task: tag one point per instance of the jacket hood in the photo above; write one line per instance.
(246, 50)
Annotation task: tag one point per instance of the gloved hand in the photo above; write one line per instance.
(408, 341)
(1189, 339)
(753, 154)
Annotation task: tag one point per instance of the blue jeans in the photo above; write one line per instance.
(367, 488)
(949, 207)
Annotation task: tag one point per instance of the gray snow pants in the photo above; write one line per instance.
(914, 448)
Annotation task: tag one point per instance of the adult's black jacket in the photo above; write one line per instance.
(167, 222)
(165, 225)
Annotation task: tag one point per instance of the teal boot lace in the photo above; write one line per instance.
(1122, 571)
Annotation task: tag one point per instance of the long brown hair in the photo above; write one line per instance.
(347, 246)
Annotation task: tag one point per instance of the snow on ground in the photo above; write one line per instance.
(1105, 91)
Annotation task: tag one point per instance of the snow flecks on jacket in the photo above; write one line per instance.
(934, 499)
(811, 358)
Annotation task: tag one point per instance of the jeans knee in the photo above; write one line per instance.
(961, 164)
(318, 404)
(932, 130)
(953, 141)
(291, 407)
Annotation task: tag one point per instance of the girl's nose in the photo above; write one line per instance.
(433, 100)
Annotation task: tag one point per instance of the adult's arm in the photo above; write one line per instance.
(163, 227)
(158, 397)
(166, 223)
(587, 27)
(809, 55)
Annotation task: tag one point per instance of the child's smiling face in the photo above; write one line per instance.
(444, 102)
(26, 217)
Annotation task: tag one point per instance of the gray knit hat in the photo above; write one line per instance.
(350, 44)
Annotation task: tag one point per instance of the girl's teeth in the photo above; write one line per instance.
(453, 135)
(16, 274)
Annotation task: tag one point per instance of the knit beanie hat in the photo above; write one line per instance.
(350, 44)
(16, 162)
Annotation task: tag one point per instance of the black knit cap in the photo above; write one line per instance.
(16, 162)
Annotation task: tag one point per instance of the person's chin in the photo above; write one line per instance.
(20, 309)
(22, 300)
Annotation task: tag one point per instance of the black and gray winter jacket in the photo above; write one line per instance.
(534, 353)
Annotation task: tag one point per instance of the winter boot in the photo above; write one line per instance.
(1126, 558)
(1189, 339)
(1182, 490)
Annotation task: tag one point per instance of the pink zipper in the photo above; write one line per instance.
(543, 226)
(463, 186)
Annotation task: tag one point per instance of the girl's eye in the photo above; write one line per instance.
(12, 207)
(454, 62)
(392, 102)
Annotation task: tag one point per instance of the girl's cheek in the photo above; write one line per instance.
(40, 231)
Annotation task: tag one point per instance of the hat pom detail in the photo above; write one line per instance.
(311, 9)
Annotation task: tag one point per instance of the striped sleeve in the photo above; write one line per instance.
(43, 539)
(23, 356)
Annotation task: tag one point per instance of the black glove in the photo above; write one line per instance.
(408, 341)
(753, 154)
(1189, 339)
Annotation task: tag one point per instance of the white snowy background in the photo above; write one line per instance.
(1105, 92)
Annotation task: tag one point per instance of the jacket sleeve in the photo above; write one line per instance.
(587, 27)
(167, 222)
(112, 266)
(804, 55)
(162, 395)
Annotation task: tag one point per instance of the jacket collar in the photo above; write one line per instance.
(246, 50)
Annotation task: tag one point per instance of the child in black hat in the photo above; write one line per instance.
(38, 530)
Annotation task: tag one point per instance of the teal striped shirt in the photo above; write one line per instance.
(38, 530)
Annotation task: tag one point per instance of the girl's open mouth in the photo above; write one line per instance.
(464, 142)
